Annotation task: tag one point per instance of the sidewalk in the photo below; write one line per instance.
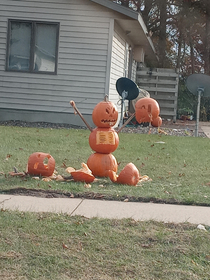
(108, 209)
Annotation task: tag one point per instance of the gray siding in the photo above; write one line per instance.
(82, 62)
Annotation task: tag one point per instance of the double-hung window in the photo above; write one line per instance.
(32, 46)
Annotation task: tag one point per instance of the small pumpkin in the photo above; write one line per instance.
(103, 140)
(100, 164)
(128, 176)
(146, 109)
(41, 164)
(83, 175)
(105, 114)
(157, 122)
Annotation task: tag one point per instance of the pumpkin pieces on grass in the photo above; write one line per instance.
(82, 175)
(128, 176)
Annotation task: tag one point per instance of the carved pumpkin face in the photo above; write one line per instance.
(100, 164)
(103, 140)
(146, 109)
(105, 114)
(41, 164)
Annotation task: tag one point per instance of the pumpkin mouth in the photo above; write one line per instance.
(108, 121)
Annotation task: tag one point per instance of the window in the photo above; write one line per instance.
(32, 46)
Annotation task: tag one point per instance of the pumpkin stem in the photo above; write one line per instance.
(106, 98)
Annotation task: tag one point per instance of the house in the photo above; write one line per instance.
(54, 51)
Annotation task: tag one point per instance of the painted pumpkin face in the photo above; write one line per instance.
(105, 114)
(41, 164)
(103, 140)
(146, 109)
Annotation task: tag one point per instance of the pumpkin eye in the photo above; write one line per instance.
(107, 111)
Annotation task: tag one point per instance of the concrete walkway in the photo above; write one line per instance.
(108, 209)
(205, 127)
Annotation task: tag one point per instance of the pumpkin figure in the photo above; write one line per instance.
(41, 164)
(147, 109)
(100, 164)
(103, 140)
(105, 114)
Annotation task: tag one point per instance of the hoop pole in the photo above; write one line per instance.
(198, 112)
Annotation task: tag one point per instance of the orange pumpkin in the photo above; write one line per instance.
(146, 109)
(128, 176)
(99, 164)
(157, 122)
(105, 114)
(83, 175)
(103, 140)
(41, 164)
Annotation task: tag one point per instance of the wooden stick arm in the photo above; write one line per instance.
(76, 111)
(128, 120)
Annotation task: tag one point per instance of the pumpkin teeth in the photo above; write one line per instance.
(108, 121)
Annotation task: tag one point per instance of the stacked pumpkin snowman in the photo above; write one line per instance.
(104, 140)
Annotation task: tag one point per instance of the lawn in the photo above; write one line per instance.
(59, 247)
(178, 166)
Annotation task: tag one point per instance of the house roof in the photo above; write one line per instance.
(134, 27)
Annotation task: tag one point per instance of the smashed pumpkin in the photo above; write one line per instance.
(128, 176)
(157, 122)
(41, 164)
(83, 175)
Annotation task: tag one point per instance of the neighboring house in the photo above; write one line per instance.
(54, 51)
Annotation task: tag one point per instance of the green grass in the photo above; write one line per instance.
(179, 167)
(60, 247)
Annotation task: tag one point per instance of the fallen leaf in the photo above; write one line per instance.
(65, 246)
(80, 246)
(59, 178)
(35, 178)
(47, 179)
(87, 186)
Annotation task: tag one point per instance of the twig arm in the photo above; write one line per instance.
(128, 120)
(76, 111)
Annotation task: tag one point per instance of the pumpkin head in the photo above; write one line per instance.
(83, 175)
(103, 140)
(157, 122)
(105, 114)
(99, 164)
(128, 176)
(146, 109)
(41, 164)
